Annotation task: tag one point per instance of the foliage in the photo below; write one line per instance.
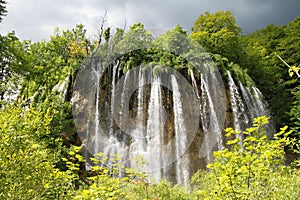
(27, 165)
(42, 74)
(13, 65)
(136, 38)
(106, 182)
(174, 40)
(292, 69)
(53, 64)
(253, 169)
(218, 33)
(3, 10)
(161, 190)
(269, 72)
(295, 112)
(137, 47)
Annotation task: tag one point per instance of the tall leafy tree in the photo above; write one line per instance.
(218, 33)
(133, 43)
(175, 40)
(136, 38)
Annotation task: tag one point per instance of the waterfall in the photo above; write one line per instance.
(260, 106)
(112, 101)
(148, 138)
(138, 146)
(240, 119)
(62, 88)
(203, 99)
(195, 86)
(140, 135)
(174, 122)
(250, 101)
(256, 106)
(247, 104)
(124, 99)
(154, 135)
(210, 123)
(114, 143)
(181, 141)
(97, 136)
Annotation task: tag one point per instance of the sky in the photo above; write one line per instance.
(36, 19)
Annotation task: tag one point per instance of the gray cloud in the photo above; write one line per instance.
(36, 20)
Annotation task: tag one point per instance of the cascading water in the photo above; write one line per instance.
(147, 139)
(250, 101)
(210, 123)
(181, 141)
(256, 106)
(97, 138)
(203, 105)
(113, 89)
(260, 106)
(212, 100)
(246, 105)
(140, 109)
(238, 108)
(151, 115)
(115, 137)
(155, 130)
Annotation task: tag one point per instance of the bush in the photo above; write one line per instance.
(252, 169)
(27, 166)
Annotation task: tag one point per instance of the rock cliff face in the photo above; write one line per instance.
(174, 119)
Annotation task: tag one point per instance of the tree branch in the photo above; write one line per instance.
(293, 69)
(102, 29)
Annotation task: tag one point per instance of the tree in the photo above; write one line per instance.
(294, 112)
(219, 34)
(53, 64)
(175, 40)
(289, 46)
(269, 73)
(13, 64)
(3, 10)
(131, 45)
(136, 38)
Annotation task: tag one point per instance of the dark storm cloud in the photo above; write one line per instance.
(36, 19)
(256, 14)
(250, 14)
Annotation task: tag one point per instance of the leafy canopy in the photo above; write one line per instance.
(218, 33)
